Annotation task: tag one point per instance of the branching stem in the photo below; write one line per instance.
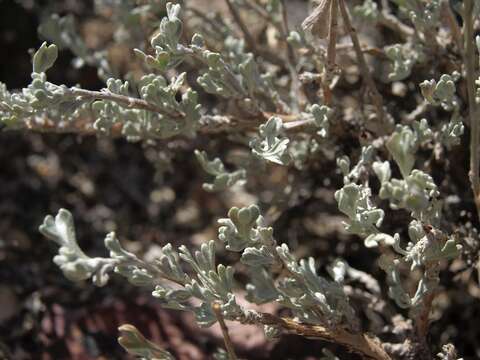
(291, 58)
(363, 344)
(84, 126)
(452, 23)
(393, 23)
(376, 97)
(216, 307)
(267, 55)
(469, 59)
(331, 51)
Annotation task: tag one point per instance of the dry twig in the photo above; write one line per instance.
(216, 307)
(469, 59)
(331, 51)
(376, 97)
(363, 344)
(267, 55)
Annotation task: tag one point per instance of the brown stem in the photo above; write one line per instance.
(422, 321)
(206, 19)
(261, 11)
(295, 87)
(331, 51)
(362, 344)
(84, 126)
(421, 316)
(392, 22)
(376, 97)
(387, 19)
(217, 310)
(452, 23)
(416, 113)
(469, 59)
(284, 33)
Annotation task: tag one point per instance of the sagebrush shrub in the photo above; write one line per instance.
(282, 106)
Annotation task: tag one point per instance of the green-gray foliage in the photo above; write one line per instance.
(403, 58)
(271, 145)
(441, 93)
(313, 298)
(223, 179)
(194, 85)
(415, 192)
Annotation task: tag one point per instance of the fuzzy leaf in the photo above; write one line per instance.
(44, 58)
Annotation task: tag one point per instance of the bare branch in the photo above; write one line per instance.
(376, 97)
(363, 344)
(267, 55)
(469, 59)
(216, 307)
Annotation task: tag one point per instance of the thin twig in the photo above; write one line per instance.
(291, 59)
(392, 22)
(84, 126)
(267, 55)
(260, 10)
(206, 19)
(469, 59)
(238, 19)
(456, 32)
(386, 6)
(217, 310)
(332, 38)
(284, 34)
(331, 52)
(416, 113)
(370, 50)
(376, 97)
